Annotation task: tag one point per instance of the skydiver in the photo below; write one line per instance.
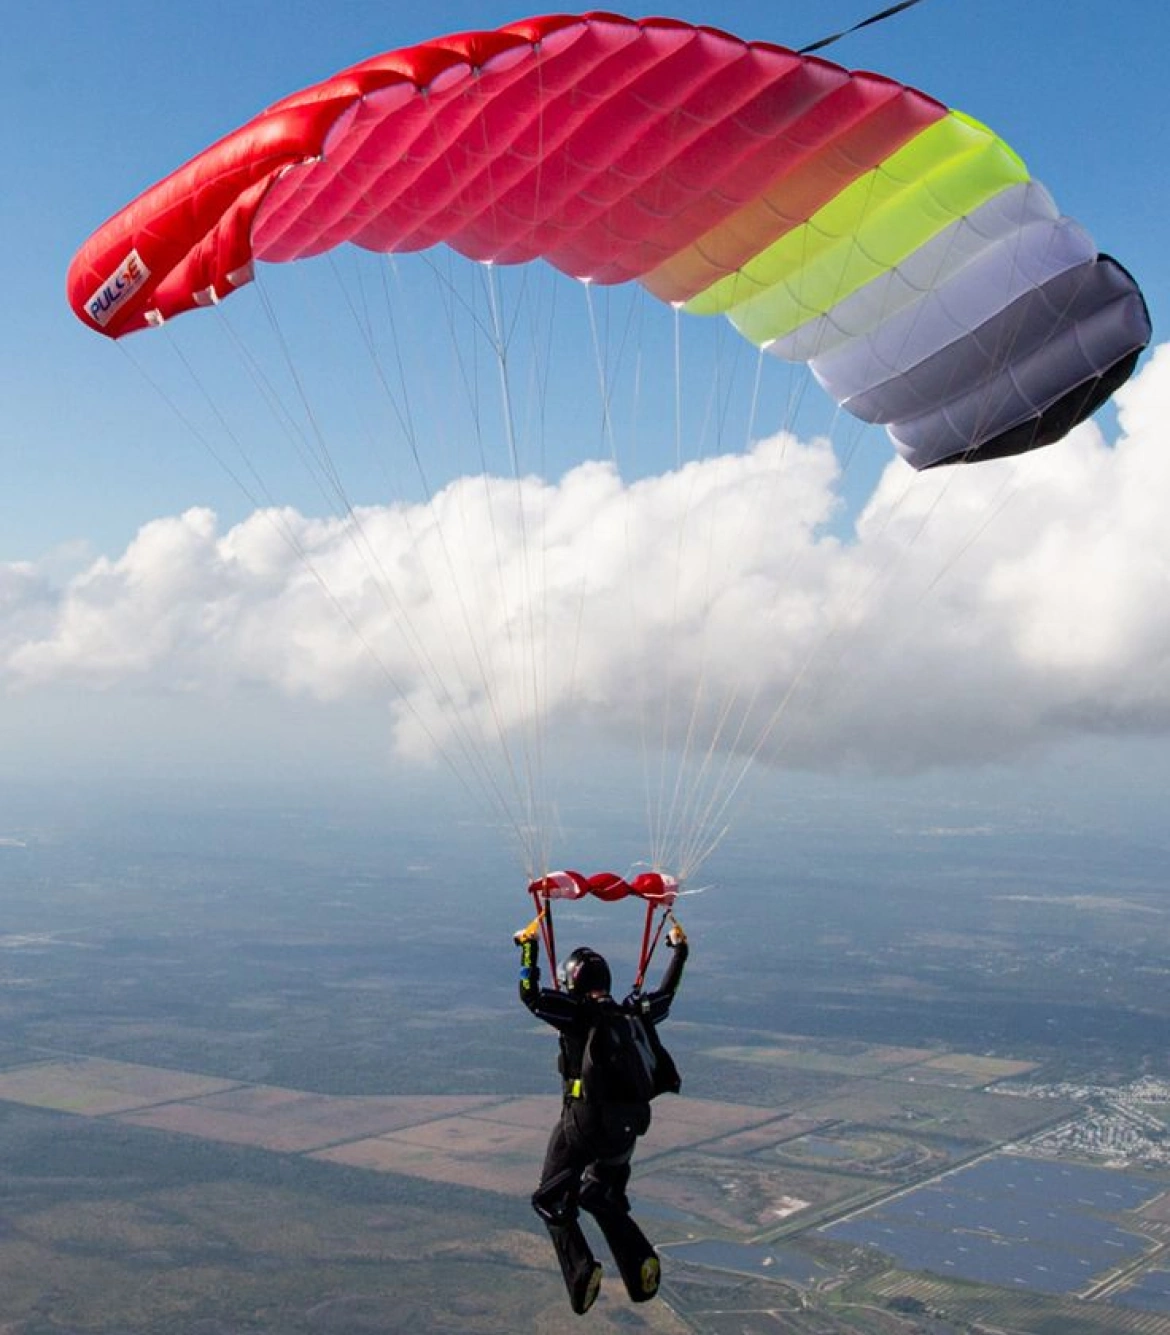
(587, 1163)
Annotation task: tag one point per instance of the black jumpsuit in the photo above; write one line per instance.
(587, 1162)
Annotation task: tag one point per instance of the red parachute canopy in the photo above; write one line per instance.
(835, 217)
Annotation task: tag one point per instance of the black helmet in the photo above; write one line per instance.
(583, 972)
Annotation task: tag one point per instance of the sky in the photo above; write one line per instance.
(157, 621)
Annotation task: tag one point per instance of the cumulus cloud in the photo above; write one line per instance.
(971, 615)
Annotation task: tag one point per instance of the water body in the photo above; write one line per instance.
(1151, 1293)
(764, 1262)
(821, 1147)
(1010, 1221)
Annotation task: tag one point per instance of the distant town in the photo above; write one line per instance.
(1117, 1126)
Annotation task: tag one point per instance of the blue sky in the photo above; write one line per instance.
(101, 100)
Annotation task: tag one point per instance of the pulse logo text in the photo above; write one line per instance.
(126, 279)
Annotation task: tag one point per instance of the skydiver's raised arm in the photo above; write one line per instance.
(553, 1007)
(656, 1005)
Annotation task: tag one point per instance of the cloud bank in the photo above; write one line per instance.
(971, 615)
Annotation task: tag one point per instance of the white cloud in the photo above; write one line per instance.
(977, 614)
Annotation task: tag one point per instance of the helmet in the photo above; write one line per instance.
(583, 972)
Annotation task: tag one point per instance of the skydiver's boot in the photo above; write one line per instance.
(582, 1273)
(636, 1259)
(556, 1204)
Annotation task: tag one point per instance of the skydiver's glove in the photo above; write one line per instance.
(676, 936)
(527, 933)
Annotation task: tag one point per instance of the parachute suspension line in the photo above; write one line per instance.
(473, 754)
(356, 531)
(689, 776)
(526, 787)
(313, 446)
(262, 491)
(281, 415)
(253, 497)
(272, 513)
(665, 801)
(821, 646)
(701, 841)
(524, 653)
(657, 678)
(677, 826)
(400, 403)
(493, 730)
(656, 789)
(454, 304)
(536, 400)
(604, 387)
(708, 824)
(543, 651)
(522, 822)
(704, 840)
(754, 409)
(737, 703)
(651, 668)
(679, 796)
(659, 664)
(734, 774)
(648, 668)
(496, 742)
(705, 819)
(650, 944)
(666, 792)
(880, 17)
(563, 654)
(835, 631)
(467, 639)
(677, 309)
(676, 829)
(1005, 492)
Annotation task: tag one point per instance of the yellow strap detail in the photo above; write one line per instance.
(529, 933)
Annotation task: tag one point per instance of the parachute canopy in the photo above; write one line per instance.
(835, 217)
